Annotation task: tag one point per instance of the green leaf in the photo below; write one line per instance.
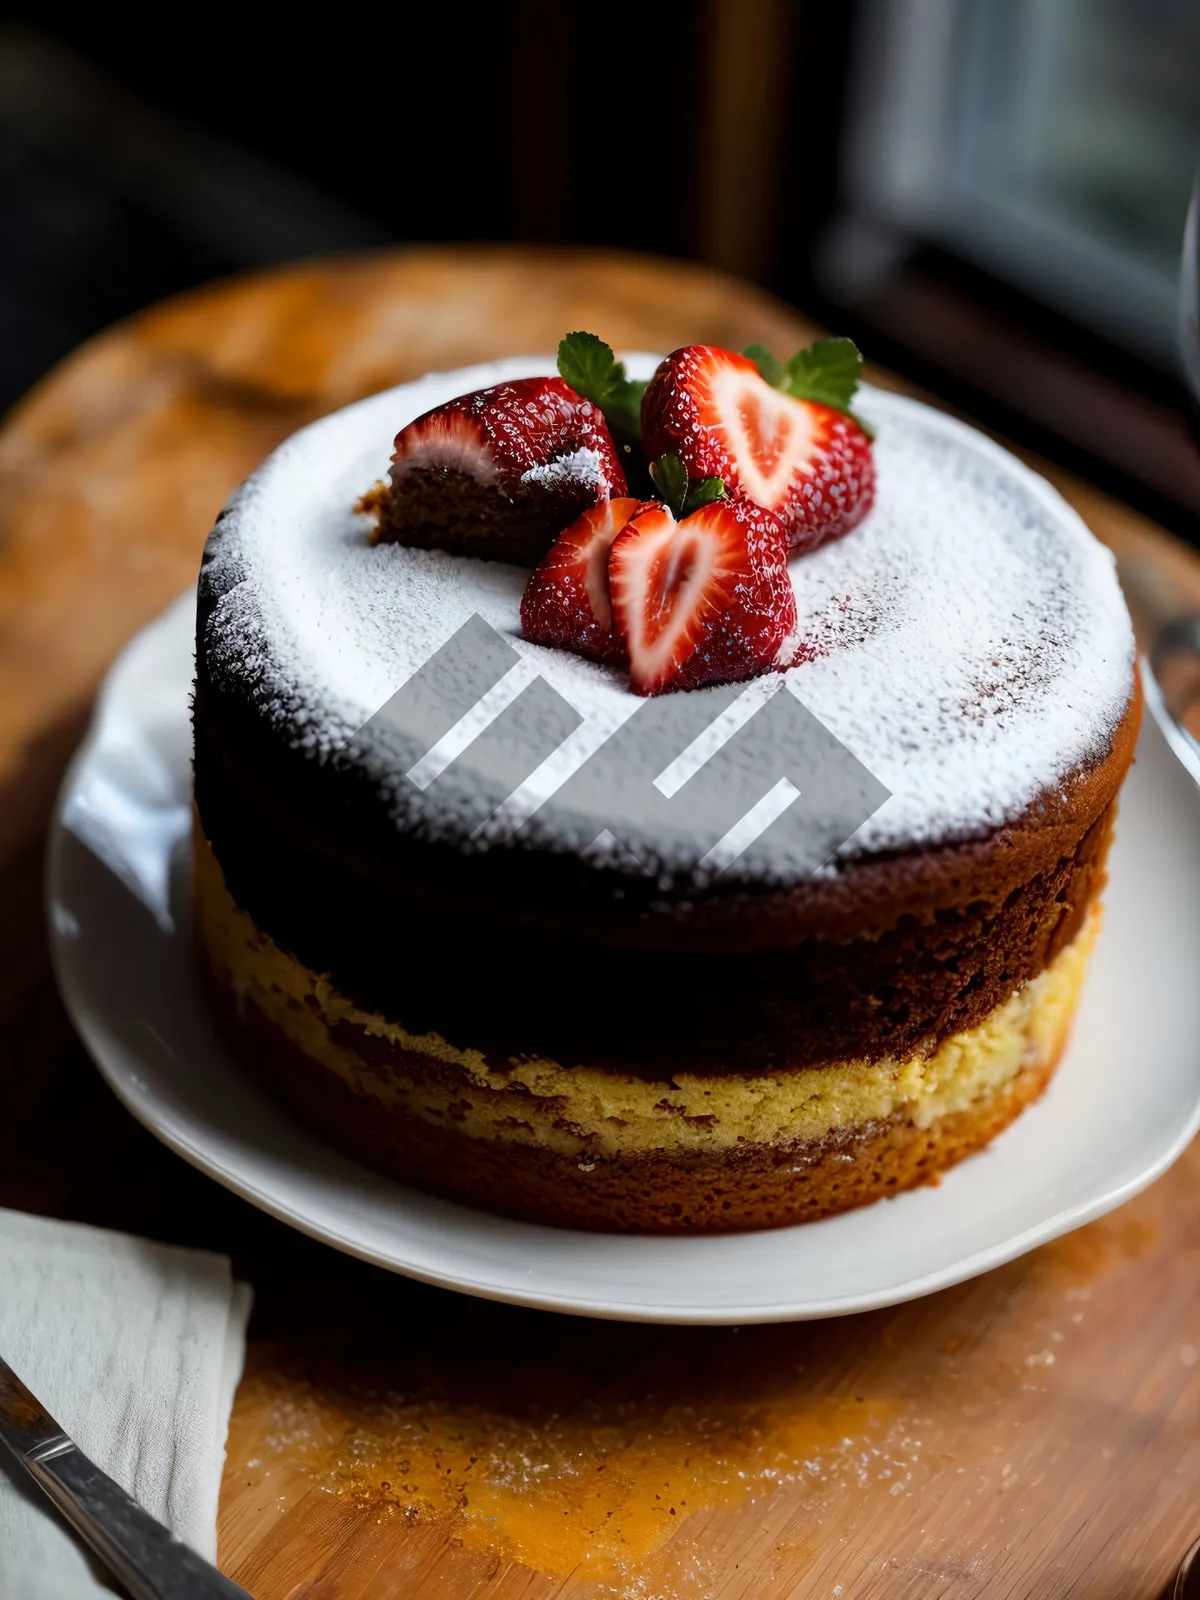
(586, 363)
(623, 412)
(867, 427)
(676, 491)
(702, 492)
(773, 371)
(589, 366)
(826, 372)
(671, 481)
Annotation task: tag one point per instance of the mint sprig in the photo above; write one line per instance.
(680, 494)
(827, 373)
(773, 371)
(589, 366)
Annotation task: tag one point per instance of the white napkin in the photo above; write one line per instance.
(136, 1348)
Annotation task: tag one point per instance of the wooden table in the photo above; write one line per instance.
(1034, 1433)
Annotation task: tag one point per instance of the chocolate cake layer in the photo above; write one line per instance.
(441, 509)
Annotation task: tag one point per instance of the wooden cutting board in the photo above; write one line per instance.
(1034, 1433)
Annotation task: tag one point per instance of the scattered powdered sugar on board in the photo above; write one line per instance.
(968, 642)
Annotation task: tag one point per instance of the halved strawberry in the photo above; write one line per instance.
(566, 600)
(499, 472)
(782, 435)
(706, 599)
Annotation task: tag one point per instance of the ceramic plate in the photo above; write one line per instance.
(1123, 1105)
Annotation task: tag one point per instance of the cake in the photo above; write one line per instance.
(518, 914)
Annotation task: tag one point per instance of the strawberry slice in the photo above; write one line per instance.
(706, 599)
(566, 600)
(781, 435)
(499, 472)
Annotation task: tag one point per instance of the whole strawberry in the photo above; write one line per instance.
(499, 472)
(699, 586)
(782, 435)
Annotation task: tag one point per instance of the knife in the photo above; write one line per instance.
(148, 1561)
(1187, 1579)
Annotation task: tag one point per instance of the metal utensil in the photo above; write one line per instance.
(1187, 1579)
(150, 1562)
(1173, 654)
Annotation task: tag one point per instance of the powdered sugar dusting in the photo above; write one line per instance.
(582, 467)
(968, 642)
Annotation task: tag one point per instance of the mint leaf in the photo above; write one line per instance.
(623, 412)
(589, 366)
(826, 372)
(702, 492)
(671, 481)
(773, 371)
(586, 363)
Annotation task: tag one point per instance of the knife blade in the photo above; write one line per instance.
(147, 1559)
(1187, 1579)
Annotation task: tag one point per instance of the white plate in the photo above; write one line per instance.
(1123, 1105)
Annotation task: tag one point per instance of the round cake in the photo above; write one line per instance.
(741, 956)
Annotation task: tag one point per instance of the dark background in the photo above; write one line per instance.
(988, 194)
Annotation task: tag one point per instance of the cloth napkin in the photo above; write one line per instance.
(136, 1348)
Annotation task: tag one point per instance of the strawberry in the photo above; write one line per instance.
(566, 600)
(699, 595)
(782, 435)
(499, 472)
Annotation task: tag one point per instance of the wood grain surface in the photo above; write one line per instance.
(1034, 1433)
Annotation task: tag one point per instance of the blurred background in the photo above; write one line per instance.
(988, 194)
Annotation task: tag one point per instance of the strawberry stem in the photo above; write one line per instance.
(671, 480)
(702, 492)
(679, 493)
